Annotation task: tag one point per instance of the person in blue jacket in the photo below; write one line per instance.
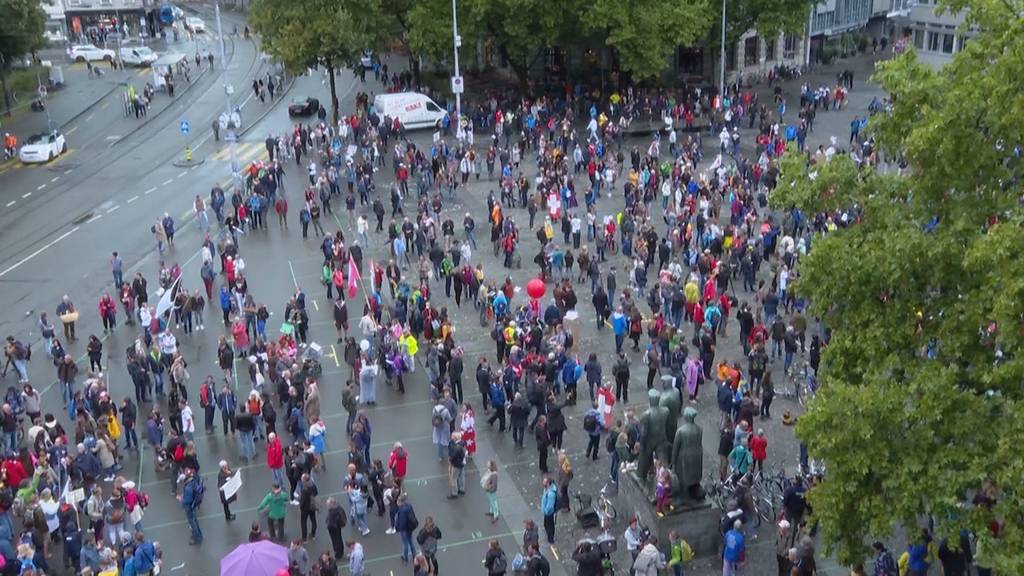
(547, 507)
(619, 326)
(190, 503)
(225, 304)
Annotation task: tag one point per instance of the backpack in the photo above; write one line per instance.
(179, 453)
(500, 564)
(254, 406)
(437, 420)
(413, 522)
(198, 492)
(543, 568)
(590, 422)
(113, 428)
(609, 444)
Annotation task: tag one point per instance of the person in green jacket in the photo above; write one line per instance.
(679, 553)
(276, 505)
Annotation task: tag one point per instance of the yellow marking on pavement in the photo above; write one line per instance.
(315, 305)
(554, 551)
(70, 132)
(334, 355)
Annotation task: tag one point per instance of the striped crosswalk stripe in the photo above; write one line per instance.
(245, 152)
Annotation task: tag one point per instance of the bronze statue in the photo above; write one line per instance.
(688, 457)
(673, 400)
(655, 436)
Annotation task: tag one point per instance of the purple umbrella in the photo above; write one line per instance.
(263, 558)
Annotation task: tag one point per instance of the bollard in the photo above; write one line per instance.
(188, 154)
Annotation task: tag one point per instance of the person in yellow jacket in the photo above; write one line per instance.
(408, 341)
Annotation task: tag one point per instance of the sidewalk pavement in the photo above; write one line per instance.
(79, 94)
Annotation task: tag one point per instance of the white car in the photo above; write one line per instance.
(84, 52)
(195, 24)
(43, 148)
(138, 56)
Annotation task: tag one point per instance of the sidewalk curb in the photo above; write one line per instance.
(267, 111)
(164, 109)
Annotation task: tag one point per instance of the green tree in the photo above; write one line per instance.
(520, 29)
(645, 36)
(331, 33)
(920, 405)
(22, 33)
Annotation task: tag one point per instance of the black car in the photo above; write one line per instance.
(303, 106)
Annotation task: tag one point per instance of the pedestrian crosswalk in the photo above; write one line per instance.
(246, 152)
(15, 164)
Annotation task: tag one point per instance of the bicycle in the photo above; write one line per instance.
(604, 508)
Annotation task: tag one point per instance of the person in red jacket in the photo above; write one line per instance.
(13, 472)
(108, 313)
(759, 450)
(275, 459)
(398, 463)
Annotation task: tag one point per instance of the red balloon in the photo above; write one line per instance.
(536, 288)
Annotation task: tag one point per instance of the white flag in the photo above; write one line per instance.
(166, 299)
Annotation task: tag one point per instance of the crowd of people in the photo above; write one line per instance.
(696, 249)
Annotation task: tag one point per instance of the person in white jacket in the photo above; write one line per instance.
(649, 561)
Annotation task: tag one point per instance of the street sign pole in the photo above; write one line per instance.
(185, 128)
(230, 119)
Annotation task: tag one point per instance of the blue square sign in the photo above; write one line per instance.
(185, 126)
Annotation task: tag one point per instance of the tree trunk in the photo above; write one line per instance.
(520, 69)
(7, 95)
(334, 93)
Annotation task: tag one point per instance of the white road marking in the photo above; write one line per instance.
(94, 218)
(39, 251)
(114, 137)
(89, 117)
(133, 199)
(68, 171)
(168, 181)
(70, 132)
(183, 174)
(11, 203)
(113, 209)
(41, 186)
(26, 195)
(55, 178)
(150, 191)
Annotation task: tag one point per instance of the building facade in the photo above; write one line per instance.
(935, 35)
(93, 20)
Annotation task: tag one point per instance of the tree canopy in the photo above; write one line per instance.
(920, 402)
(23, 24)
(305, 33)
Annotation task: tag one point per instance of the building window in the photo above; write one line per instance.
(933, 41)
(947, 43)
(769, 49)
(750, 51)
(790, 46)
(919, 39)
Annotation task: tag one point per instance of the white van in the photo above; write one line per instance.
(413, 110)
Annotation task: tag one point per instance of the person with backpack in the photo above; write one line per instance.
(405, 524)
(593, 425)
(495, 561)
(536, 564)
(191, 498)
(440, 420)
(336, 521)
(427, 539)
(679, 553)
(489, 483)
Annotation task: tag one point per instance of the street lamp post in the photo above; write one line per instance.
(456, 42)
(721, 72)
(229, 121)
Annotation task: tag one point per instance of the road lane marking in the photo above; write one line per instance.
(168, 181)
(150, 191)
(182, 175)
(41, 186)
(105, 104)
(94, 218)
(114, 137)
(70, 132)
(68, 171)
(11, 203)
(89, 117)
(55, 178)
(111, 210)
(133, 199)
(38, 251)
(26, 195)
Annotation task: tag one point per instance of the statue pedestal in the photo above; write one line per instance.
(697, 522)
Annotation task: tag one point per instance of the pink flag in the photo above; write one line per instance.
(353, 277)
